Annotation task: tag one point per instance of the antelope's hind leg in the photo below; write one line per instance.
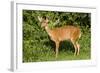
(75, 46)
(78, 48)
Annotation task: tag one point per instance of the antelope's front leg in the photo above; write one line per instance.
(57, 48)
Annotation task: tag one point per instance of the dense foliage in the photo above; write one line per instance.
(37, 45)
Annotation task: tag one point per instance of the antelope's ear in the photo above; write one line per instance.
(47, 20)
(39, 18)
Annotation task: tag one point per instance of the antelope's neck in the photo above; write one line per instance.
(48, 30)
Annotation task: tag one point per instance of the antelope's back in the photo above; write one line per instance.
(65, 33)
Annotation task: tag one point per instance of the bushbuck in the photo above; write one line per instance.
(59, 34)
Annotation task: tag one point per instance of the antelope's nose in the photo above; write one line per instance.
(42, 26)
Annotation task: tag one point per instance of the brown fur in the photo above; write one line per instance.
(57, 35)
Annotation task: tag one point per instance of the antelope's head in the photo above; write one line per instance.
(43, 21)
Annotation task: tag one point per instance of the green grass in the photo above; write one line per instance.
(38, 51)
